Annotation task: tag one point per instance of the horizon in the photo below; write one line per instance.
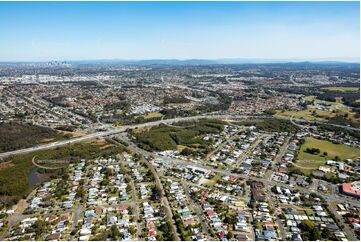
(84, 31)
(217, 61)
(158, 62)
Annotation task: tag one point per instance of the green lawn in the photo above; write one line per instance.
(307, 167)
(307, 114)
(152, 115)
(308, 162)
(309, 98)
(211, 182)
(340, 150)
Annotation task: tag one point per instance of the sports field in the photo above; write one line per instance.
(308, 162)
(340, 150)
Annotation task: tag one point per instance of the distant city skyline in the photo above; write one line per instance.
(44, 31)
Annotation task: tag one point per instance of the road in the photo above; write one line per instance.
(160, 188)
(78, 210)
(244, 155)
(196, 209)
(276, 214)
(268, 177)
(164, 200)
(149, 124)
(224, 143)
(349, 233)
(134, 197)
(135, 208)
(282, 151)
(17, 215)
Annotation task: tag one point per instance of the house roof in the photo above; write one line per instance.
(347, 188)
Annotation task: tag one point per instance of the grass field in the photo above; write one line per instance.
(308, 162)
(152, 115)
(309, 98)
(181, 147)
(307, 166)
(307, 114)
(342, 89)
(210, 182)
(340, 150)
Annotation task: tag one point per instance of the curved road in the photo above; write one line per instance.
(43, 167)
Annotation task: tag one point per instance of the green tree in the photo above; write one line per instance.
(40, 227)
(309, 230)
(230, 235)
(114, 232)
(132, 229)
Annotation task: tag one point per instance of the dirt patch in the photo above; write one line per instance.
(20, 207)
(106, 146)
(47, 140)
(75, 134)
(6, 164)
(207, 182)
(99, 142)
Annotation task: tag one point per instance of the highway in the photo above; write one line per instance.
(149, 124)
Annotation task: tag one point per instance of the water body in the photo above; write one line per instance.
(35, 177)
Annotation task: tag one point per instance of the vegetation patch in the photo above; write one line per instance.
(164, 137)
(14, 178)
(342, 89)
(15, 135)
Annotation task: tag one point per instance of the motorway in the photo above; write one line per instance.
(149, 124)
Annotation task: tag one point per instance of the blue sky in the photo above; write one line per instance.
(37, 31)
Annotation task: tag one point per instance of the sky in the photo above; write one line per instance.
(42, 31)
